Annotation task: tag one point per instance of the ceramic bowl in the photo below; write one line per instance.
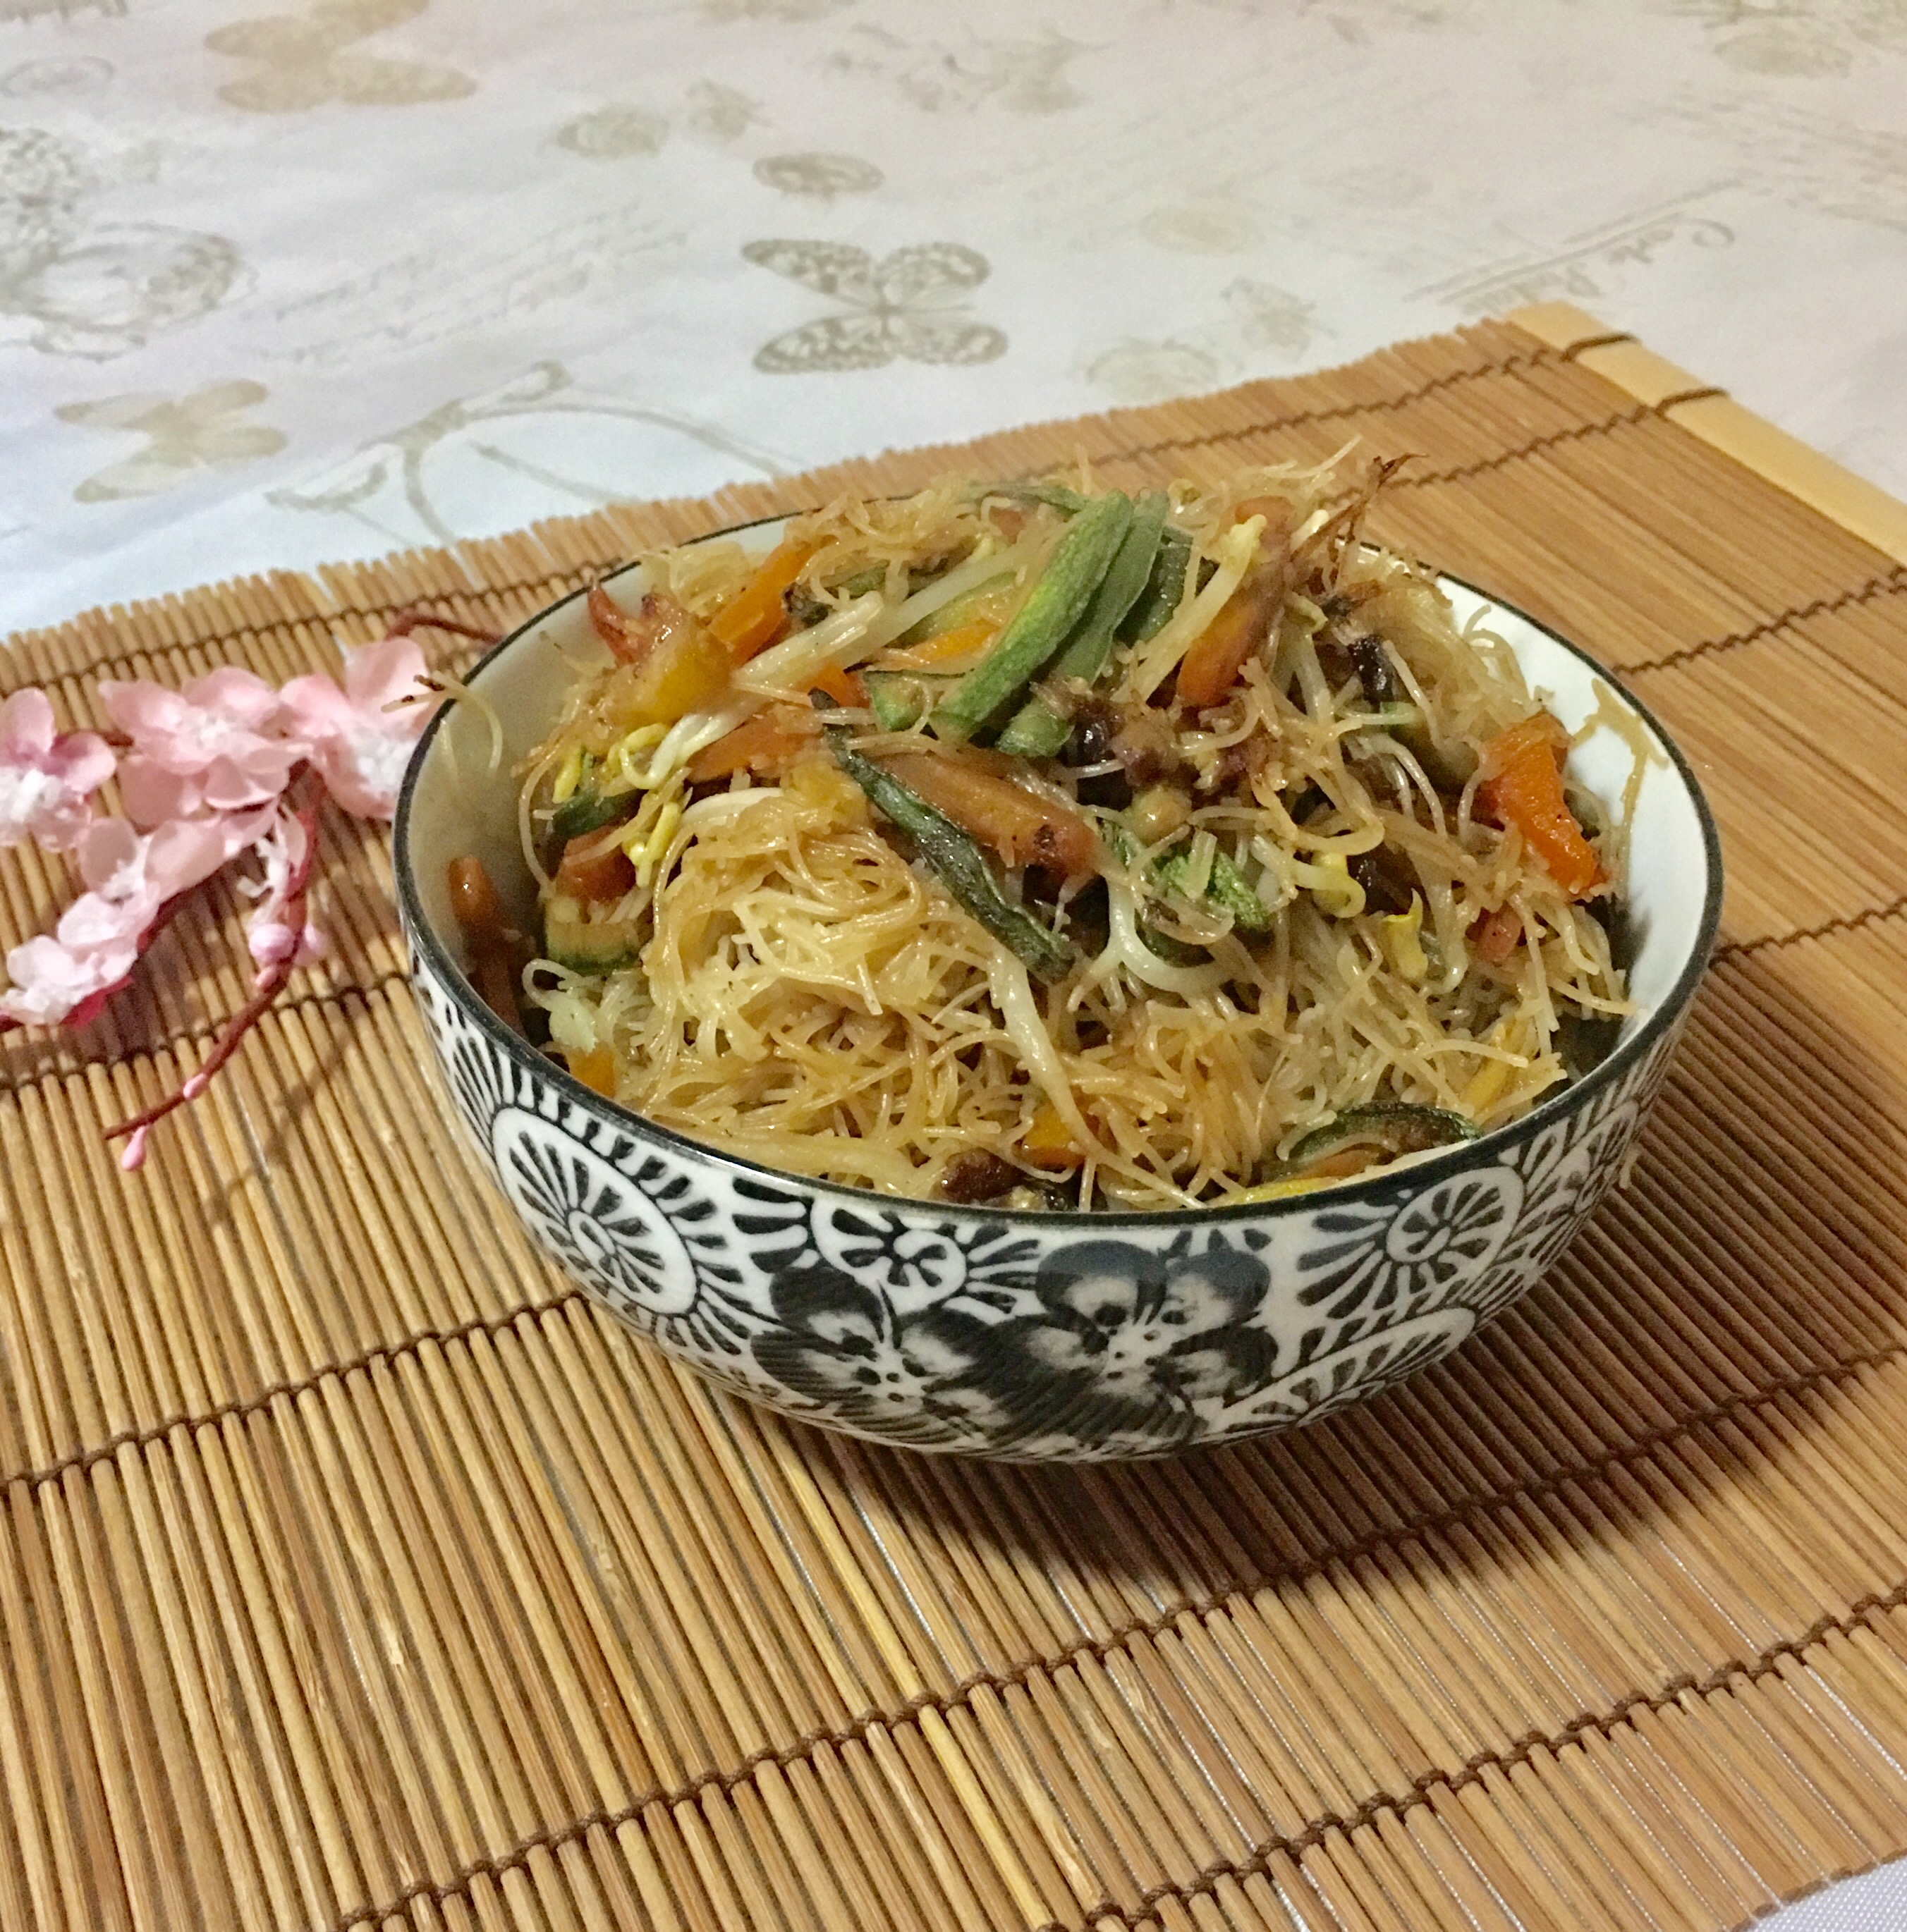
(1032, 1336)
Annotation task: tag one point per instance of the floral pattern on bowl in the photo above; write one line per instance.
(1021, 1336)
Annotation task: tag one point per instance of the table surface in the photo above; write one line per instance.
(356, 274)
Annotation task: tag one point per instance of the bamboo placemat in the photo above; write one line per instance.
(355, 1573)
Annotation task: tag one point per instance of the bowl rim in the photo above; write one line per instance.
(1425, 1171)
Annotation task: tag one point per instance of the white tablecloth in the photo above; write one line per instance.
(280, 287)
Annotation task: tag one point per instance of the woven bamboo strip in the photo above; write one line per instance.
(359, 1574)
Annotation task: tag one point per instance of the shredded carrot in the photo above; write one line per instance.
(1523, 787)
(751, 620)
(1048, 1141)
(763, 744)
(1022, 827)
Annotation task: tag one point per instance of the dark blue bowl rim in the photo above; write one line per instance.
(1386, 1189)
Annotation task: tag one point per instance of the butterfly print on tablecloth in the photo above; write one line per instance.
(911, 305)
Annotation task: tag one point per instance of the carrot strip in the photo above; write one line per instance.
(1523, 787)
(762, 744)
(843, 686)
(749, 621)
(1210, 668)
(1022, 827)
(605, 873)
(964, 640)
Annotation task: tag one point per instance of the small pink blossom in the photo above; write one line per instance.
(218, 744)
(359, 745)
(132, 880)
(286, 852)
(47, 777)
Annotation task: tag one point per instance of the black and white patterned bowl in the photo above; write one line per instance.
(1033, 1336)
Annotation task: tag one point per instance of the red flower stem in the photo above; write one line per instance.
(270, 983)
(405, 621)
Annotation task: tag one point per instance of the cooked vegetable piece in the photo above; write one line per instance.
(1038, 729)
(1060, 496)
(594, 868)
(1153, 608)
(1021, 826)
(590, 811)
(971, 607)
(494, 950)
(947, 648)
(1523, 787)
(900, 699)
(842, 685)
(595, 1068)
(751, 620)
(669, 663)
(1388, 879)
(764, 744)
(1173, 952)
(584, 945)
(1376, 676)
(1040, 624)
(1225, 888)
(1211, 667)
(1382, 1130)
(1496, 935)
(954, 858)
(977, 1175)
(1048, 1141)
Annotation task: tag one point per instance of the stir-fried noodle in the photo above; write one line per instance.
(1041, 843)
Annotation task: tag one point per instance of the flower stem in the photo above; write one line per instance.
(265, 988)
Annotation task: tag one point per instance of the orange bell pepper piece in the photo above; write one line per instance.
(1210, 668)
(593, 869)
(764, 743)
(1022, 827)
(596, 1068)
(843, 686)
(964, 640)
(751, 620)
(1048, 1141)
(1523, 787)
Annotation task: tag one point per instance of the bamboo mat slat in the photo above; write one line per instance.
(355, 1573)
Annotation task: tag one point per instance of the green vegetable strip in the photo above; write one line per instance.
(1037, 729)
(1039, 626)
(1055, 496)
(1226, 889)
(955, 859)
(1164, 588)
(896, 700)
(589, 810)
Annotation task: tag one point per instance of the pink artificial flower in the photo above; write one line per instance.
(132, 880)
(47, 777)
(359, 745)
(216, 745)
(285, 851)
